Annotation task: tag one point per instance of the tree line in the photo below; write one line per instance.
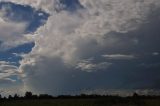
(30, 95)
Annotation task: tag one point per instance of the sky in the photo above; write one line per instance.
(79, 46)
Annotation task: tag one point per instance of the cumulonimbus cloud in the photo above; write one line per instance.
(67, 38)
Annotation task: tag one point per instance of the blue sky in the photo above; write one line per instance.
(32, 17)
(22, 13)
(70, 46)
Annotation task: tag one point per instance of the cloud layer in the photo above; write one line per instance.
(90, 39)
(6, 71)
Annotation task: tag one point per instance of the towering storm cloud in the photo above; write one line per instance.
(92, 44)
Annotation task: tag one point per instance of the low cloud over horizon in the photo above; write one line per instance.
(71, 46)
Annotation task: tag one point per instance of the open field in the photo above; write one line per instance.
(83, 102)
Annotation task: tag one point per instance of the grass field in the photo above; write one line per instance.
(82, 102)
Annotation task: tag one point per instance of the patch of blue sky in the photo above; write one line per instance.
(10, 55)
(20, 13)
(71, 5)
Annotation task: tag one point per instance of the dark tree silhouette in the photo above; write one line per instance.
(10, 97)
(16, 96)
(0, 96)
(135, 95)
(45, 96)
(28, 95)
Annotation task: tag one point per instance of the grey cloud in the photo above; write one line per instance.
(119, 56)
(89, 66)
(155, 53)
(115, 28)
(124, 92)
(7, 70)
(10, 82)
(6, 80)
(90, 32)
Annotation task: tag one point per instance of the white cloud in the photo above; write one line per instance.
(89, 66)
(61, 34)
(47, 5)
(6, 80)
(72, 37)
(119, 57)
(7, 70)
(10, 32)
(10, 85)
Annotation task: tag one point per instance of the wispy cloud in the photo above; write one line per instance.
(89, 66)
(7, 70)
(119, 56)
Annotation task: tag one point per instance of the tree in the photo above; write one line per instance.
(10, 97)
(16, 96)
(28, 95)
(45, 96)
(135, 95)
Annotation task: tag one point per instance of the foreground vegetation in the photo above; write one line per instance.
(82, 100)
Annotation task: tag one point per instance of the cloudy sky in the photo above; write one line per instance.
(73, 46)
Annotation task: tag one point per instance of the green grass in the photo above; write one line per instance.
(82, 102)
